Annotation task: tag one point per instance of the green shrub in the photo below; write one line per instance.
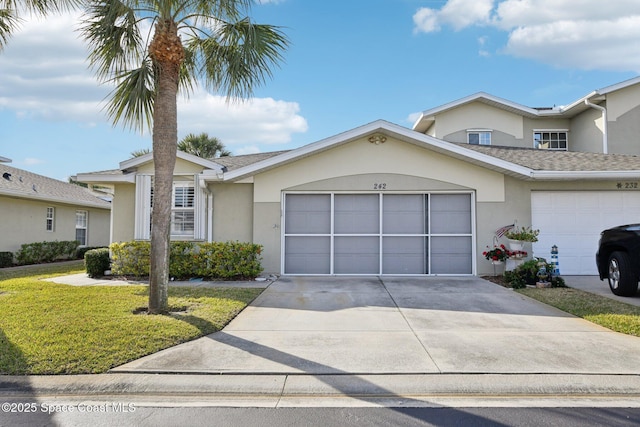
(216, 260)
(6, 259)
(84, 249)
(130, 258)
(182, 259)
(40, 252)
(229, 260)
(96, 262)
(527, 274)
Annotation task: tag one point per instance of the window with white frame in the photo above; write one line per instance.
(51, 214)
(187, 211)
(182, 210)
(82, 219)
(550, 139)
(479, 137)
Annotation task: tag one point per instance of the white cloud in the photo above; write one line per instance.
(257, 121)
(581, 34)
(32, 161)
(45, 76)
(456, 13)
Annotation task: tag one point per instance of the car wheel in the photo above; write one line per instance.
(622, 280)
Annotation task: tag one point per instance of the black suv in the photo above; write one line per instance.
(618, 258)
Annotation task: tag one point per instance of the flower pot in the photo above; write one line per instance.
(516, 245)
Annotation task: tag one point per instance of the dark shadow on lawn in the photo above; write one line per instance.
(13, 389)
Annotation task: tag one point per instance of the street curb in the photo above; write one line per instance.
(401, 385)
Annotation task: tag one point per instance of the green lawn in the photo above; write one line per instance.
(612, 314)
(47, 328)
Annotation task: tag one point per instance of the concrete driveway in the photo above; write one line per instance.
(372, 325)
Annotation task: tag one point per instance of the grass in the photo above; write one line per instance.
(611, 314)
(48, 328)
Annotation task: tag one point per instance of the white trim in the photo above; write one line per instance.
(142, 221)
(35, 196)
(147, 158)
(596, 175)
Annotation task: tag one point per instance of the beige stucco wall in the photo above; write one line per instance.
(395, 157)
(623, 114)
(477, 115)
(123, 210)
(586, 132)
(24, 221)
(232, 212)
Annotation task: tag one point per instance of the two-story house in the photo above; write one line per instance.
(385, 199)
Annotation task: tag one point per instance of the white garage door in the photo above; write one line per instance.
(573, 222)
(378, 234)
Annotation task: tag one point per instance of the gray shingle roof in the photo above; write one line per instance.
(235, 162)
(547, 160)
(24, 184)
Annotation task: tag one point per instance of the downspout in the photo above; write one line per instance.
(605, 142)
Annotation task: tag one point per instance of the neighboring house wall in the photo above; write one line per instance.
(531, 125)
(24, 221)
(477, 115)
(623, 114)
(586, 132)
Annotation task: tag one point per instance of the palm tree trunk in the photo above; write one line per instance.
(167, 54)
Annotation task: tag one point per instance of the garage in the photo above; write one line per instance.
(573, 220)
(378, 233)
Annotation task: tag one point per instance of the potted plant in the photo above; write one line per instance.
(522, 234)
(518, 235)
(496, 255)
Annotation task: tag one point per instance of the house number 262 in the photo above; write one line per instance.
(381, 186)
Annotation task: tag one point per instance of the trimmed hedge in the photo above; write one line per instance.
(40, 252)
(216, 260)
(6, 259)
(96, 262)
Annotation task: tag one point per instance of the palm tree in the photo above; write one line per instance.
(11, 13)
(222, 47)
(203, 145)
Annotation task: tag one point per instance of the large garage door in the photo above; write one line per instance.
(378, 234)
(573, 221)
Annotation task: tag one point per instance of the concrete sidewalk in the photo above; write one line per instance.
(343, 341)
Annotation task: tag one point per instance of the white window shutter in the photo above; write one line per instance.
(142, 227)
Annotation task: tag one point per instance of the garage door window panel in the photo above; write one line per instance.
(356, 255)
(404, 255)
(308, 255)
(357, 214)
(450, 214)
(451, 255)
(404, 214)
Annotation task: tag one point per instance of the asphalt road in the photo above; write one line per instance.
(331, 417)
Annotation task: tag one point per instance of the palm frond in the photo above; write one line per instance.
(240, 58)
(131, 102)
(112, 31)
(9, 22)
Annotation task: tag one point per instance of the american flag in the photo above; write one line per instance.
(500, 231)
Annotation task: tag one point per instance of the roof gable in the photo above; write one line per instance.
(521, 163)
(427, 117)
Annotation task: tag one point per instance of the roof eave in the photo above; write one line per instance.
(546, 175)
(48, 198)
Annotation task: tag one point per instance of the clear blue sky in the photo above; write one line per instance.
(350, 62)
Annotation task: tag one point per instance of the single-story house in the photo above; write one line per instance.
(35, 208)
(382, 199)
